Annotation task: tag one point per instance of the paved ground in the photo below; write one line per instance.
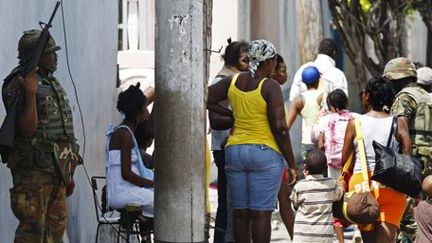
(279, 232)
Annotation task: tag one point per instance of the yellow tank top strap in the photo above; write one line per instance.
(234, 79)
(261, 84)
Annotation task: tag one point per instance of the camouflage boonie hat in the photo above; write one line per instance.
(398, 68)
(28, 41)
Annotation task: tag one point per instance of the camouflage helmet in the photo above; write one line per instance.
(28, 41)
(398, 68)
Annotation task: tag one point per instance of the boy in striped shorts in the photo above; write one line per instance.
(313, 199)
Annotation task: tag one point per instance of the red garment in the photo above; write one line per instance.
(284, 175)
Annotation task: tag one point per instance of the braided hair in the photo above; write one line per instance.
(131, 101)
(381, 94)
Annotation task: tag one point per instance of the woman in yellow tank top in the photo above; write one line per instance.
(258, 144)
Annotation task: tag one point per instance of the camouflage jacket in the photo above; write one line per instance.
(54, 138)
(416, 104)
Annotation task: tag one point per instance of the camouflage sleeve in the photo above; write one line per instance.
(10, 94)
(404, 105)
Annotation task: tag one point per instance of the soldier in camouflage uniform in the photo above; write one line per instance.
(413, 107)
(45, 153)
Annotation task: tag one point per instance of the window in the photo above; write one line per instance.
(136, 25)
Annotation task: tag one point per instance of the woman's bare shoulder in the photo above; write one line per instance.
(121, 135)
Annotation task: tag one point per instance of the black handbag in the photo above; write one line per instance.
(401, 172)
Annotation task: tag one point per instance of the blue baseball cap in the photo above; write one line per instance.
(310, 75)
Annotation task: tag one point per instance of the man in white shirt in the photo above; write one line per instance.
(331, 76)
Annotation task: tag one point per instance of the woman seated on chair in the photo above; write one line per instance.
(128, 181)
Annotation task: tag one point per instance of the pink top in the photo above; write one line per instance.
(333, 126)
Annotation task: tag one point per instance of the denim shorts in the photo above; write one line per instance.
(253, 174)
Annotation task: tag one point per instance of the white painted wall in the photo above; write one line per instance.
(92, 39)
(224, 25)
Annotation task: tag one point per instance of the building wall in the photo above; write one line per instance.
(224, 26)
(263, 26)
(92, 39)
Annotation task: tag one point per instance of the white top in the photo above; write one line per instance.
(372, 128)
(121, 192)
(309, 113)
(333, 126)
(333, 76)
(115, 181)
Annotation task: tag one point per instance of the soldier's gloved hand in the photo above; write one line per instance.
(70, 188)
(30, 82)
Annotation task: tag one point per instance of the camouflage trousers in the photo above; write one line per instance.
(408, 226)
(38, 200)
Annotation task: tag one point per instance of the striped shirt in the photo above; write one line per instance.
(313, 199)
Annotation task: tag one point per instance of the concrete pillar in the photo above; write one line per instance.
(180, 122)
(310, 30)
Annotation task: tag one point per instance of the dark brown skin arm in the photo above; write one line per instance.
(220, 122)
(348, 148)
(149, 94)
(276, 118)
(321, 141)
(125, 142)
(295, 109)
(402, 134)
(218, 93)
(28, 118)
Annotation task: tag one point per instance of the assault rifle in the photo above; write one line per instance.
(8, 129)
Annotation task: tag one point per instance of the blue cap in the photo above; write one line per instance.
(310, 75)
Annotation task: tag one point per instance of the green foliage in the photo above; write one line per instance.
(366, 5)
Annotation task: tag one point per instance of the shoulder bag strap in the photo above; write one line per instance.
(346, 166)
(361, 148)
(392, 128)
